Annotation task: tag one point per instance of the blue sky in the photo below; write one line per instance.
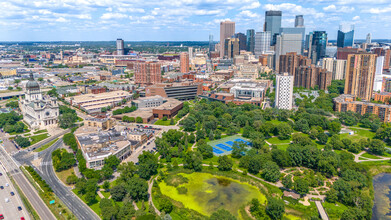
(177, 20)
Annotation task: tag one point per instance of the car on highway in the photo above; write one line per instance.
(1, 174)
(1, 216)
(12, 193)
(1, 187)
(6, 184)
(22, 218)
(19, 208)
(6, 200)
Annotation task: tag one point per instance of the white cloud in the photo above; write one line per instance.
(248, 14)
(294, 9)
(147, 17)
(378, 10)
(251, 6)
(108, 16)
(61, 19)
(333, 8)
(356, 18)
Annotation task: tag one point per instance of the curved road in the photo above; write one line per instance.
(46, 171)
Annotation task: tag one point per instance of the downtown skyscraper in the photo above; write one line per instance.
(273, 24)
(227, 29)
(345, 36)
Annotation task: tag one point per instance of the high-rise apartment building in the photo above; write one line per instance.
(317, 45)
(147, 73)
(345, 36)
(369, 38)
(287, 43)
(360, 75)
(250, 43)
(284, 91)
(273, 24)
(312, 76)
(299, 21)
(184, 61)
(190, 51)
(387, 56)
(291, 61)
(262, 43)
(337, 67)
(227, 29)
(242, 41)
(120, 47)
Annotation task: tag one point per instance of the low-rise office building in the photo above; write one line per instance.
(96, 146)
(95, 102)
(148, 102)
(181, 91)
(168, 109)
(102, 123)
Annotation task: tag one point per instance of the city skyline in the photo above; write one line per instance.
(72, 20)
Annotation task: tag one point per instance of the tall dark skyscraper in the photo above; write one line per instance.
(242, 41)
(317, 45)
(273, 24)
(211, 43)
(250, 43)
(120, 47)
(345, 37)
(299, 21)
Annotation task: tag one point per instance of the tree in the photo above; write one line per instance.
(332, 196)
(118, 192)
(271, 172)
(22, 142)
(284, 131)
(205, 149)
(287, 181)
(90, 198)
(164, 118)
(166, 205)
(112, 161)
(67, 120)
(222, 214)
(238, 149)
(72, 179)
(323, 138)
(12, 104)
(302, 125)
(106, 185)
(334, 127)
(108, 210)
(193, 160)
(172, 122)
(275, 208)
(281, 157)
(148, 165)
(225, 163)
(139, 120)
(254, 164)
(377, 147)
(137, 188)
(301, 186)
(189, 123)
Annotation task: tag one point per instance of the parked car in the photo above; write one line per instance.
(22, 218)
(19, 208)
(12, 193)
(1, 187)
(1, 174)
(1, 216)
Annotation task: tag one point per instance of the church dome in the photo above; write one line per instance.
(32, 84)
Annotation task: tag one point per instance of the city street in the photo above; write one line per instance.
(10, 209)
(31, 194)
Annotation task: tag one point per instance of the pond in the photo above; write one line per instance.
(382, 187)
(206, 193)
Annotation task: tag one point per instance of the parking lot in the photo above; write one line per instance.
(9, 208)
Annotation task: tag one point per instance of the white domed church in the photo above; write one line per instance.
(39, 112)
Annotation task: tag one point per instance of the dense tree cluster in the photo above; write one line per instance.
(124, 110)
(67, 117)
(62, 160)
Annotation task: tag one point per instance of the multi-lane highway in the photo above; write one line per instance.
(9, 204)
(45, 170)
(28, 190)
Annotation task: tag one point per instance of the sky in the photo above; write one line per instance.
(180, 20)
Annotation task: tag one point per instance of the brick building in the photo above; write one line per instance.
(147, 73)
(311, 76)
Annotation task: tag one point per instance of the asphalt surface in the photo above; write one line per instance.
(28, 190)
(46, 171)
(10, 209)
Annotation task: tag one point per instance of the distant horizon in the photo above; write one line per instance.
(169, 20)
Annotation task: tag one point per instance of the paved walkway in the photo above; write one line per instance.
(150, 185)
(357, 157)
(321, 210)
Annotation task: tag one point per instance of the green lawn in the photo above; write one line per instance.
(38, 138)
(63, 175)
(165, 123)
(95, 207)
(105, 194)
(44, 147)
(41, 131)
(276, 141)
(362, 158)
(370, 156)
(283, 146)
(276, 122)
(358, 134)
(334, 211)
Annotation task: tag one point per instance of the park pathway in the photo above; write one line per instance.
(150, 185)
(321, 210)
